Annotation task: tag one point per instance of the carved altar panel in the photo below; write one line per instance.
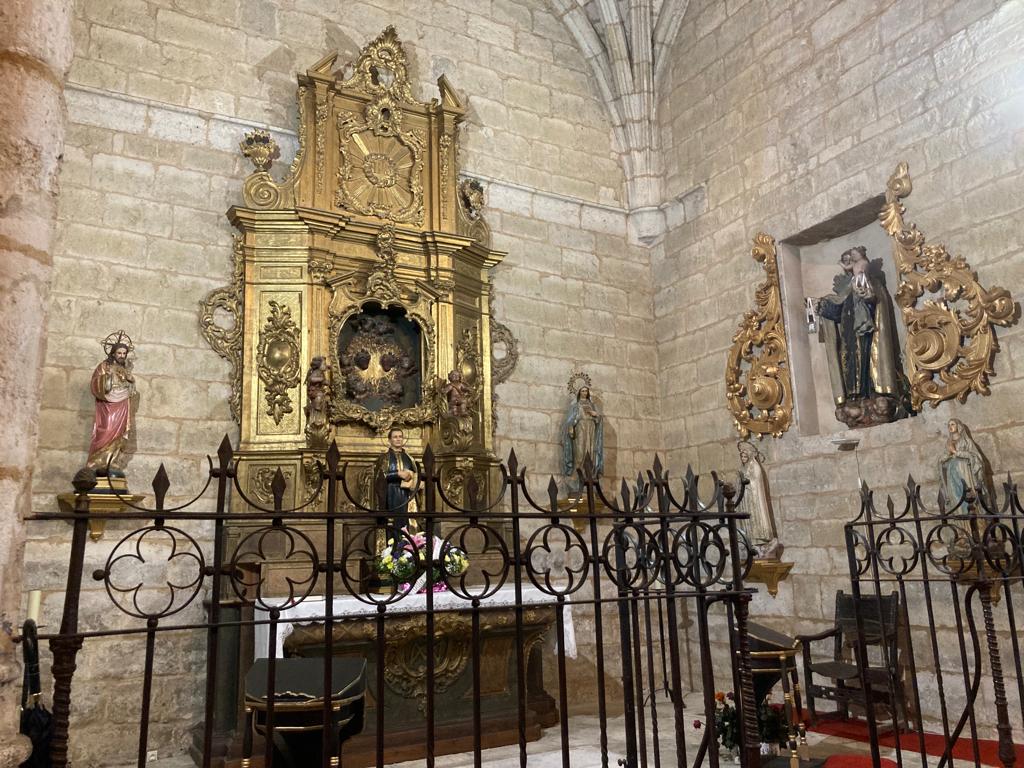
(278, 362)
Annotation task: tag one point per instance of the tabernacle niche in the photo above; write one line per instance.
(380, 355)
(846, 336)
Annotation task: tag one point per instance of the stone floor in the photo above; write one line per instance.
(584, 740)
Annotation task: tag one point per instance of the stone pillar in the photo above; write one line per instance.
(35, 51)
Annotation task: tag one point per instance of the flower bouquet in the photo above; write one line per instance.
(405, 563)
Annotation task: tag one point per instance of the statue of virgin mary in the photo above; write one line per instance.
(582, 434)
(963, 468)
(757, 502)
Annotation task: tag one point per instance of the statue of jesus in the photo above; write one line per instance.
(113, 387)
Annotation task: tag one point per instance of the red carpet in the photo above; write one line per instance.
(855, 761)
(934, 743)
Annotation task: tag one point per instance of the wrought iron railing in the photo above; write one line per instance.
(945, 564)
(628, 562)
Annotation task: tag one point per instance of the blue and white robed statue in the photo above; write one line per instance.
(582, 431)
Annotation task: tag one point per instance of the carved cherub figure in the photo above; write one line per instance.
(456, 391)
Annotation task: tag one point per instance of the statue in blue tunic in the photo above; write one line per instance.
(582, 435)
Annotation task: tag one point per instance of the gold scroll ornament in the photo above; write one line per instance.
(757, 383)
(278, 360)
(951, 340)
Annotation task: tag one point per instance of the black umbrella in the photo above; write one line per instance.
(36, 721)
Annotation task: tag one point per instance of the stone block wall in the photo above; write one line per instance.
(781, 115)
(159, 94)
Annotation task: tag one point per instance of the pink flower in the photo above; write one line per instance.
(698, 724)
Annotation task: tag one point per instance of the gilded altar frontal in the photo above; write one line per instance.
(540, 377)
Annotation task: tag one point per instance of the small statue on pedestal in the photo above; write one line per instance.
(113, 387)
(757, 501)
(457, 393)
(318, 393)
(963, 468)
(582, 431)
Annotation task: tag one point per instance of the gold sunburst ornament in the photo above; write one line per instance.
(951, 343)
(757, 382)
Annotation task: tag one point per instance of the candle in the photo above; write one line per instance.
(35, 597)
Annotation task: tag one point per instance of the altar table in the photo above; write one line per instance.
(312, 609)
(302, 633)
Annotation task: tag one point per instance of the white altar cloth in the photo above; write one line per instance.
(312, 609)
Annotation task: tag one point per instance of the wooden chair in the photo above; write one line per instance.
(880, 617)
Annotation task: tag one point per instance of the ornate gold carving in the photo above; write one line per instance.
(405, 656)
(226, 341)
(261, 149)
(502, 367)
(445, 143)
(456, 481)
(951, 341)
(381, 164)
(757, 382)
(312, 478)
(297, 160)
(443, 286)
(319, 269)
(382, 287)
(318, 398)
(379, 174)
(381, 283)
(382, 70)
(278, 360)
(457, 428)
(260, 190)
(323, 110)
(469, 219)
(261, 482)
(405, 668)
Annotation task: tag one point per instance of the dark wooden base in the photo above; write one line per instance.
(410, 744)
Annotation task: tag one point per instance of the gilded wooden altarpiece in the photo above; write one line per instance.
(369, 217)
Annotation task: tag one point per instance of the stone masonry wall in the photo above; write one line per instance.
(778, 115)
(159, 94)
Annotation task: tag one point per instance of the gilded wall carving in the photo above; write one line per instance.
(278, 360)
(457, 428)
(502, 366)
(260, 189)
(261, 483)
(381, 160)
(472, 200)
(757, 380)
(950, 316)
(226, 340)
